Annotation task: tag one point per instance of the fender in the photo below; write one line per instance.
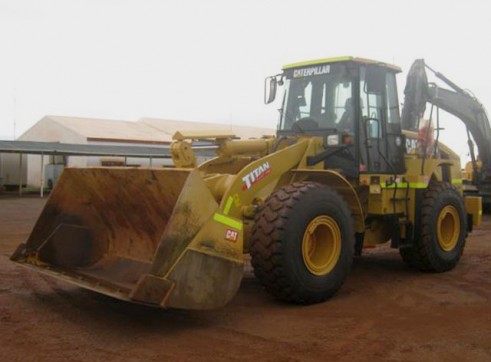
(339, 183)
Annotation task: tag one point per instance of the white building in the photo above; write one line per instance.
(11, 166)
(89, 131)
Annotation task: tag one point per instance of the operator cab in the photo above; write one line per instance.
(352, 103)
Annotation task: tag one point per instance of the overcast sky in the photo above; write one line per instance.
(206, 60)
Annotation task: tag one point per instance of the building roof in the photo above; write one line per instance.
(170, 127)
(56, 148)
(110, 130)
(144, 131)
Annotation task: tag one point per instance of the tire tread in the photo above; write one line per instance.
(267, 248)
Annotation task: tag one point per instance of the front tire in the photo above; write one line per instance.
(442, 232)
(302, 243)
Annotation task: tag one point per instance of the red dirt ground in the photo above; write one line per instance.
(384, 312)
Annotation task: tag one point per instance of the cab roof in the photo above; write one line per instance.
(341, 59)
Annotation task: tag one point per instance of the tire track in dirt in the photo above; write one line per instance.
(385, 311)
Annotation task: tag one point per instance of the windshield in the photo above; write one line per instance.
(319, 97)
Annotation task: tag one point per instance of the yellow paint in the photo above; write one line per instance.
(403, 185)
(237, 201)
(318, 61)
(228, 221)
(448, 228)
(321, 245)
(473, 206)
(339, 59)
(228, 205)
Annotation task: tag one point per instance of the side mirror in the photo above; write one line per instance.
(270, 86)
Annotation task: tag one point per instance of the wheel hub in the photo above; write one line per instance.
(448, 228)
(321, 245)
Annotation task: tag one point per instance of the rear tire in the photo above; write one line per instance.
(443, 229)
(302, 243)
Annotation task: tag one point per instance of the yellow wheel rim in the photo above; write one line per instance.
(321, 245)
(448, 228)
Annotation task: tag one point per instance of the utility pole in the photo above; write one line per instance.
(15, 112)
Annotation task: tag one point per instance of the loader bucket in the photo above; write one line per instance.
(141, 235)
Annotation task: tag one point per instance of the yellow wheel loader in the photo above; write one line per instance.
(339, 175)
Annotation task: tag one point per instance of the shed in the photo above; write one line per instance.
(98, 132)
(89, 131)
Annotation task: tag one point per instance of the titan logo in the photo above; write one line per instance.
(256, 175)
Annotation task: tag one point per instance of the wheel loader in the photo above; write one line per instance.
(340, 175)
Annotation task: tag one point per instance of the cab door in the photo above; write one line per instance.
(381, 144)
